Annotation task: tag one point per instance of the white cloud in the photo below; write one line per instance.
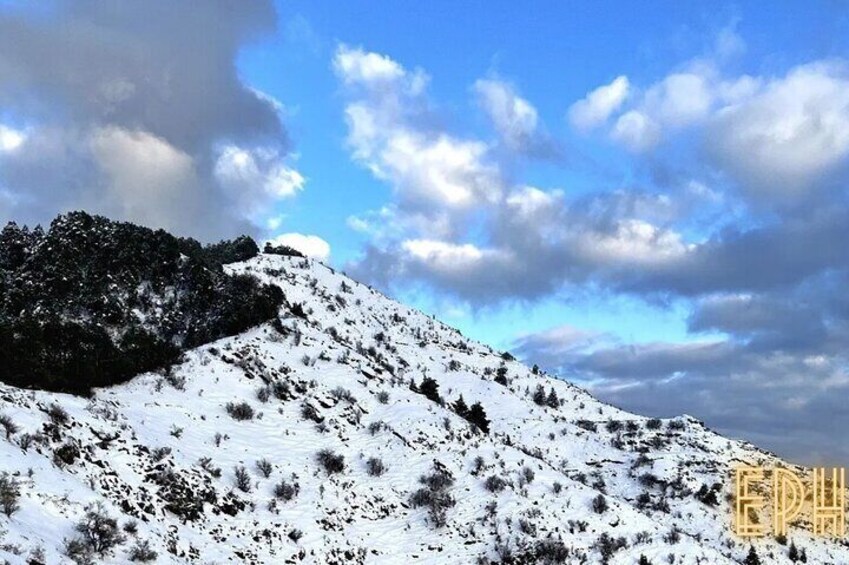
(354, 65)
(256, 178)
(561, 341)
(389, 132)
(514, 118)
(10, 139)
(633, 242)
(789, 134)
(450, 258)
(636, 130)
(680, 99)
(778, 136)
(529, 203)
(594, 109)
(310, 245)
(728, 42)
(448, 171)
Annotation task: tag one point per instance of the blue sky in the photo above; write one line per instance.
(646, 198)
(554, 55)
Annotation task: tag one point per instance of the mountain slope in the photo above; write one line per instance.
(178, 453)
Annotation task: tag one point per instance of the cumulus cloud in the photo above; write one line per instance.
(676, 101)
(594, 109)
(457, 223)
(636, 130)
(633, 242)
(391, 132)
(310, 245)
(790, 134)
(144, 86)
(680, 99)
(552, 347)
(778, 137)
(255, 178)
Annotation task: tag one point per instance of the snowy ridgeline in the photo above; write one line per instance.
(336, 435)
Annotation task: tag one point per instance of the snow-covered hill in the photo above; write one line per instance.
(303, 441)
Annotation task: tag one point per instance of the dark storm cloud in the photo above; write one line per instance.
(788, 401)
(97, 86)
(165, 67)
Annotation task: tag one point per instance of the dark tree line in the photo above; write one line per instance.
(282, 250)
(92, 302)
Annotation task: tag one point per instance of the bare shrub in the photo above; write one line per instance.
(243, 479)
(435, 495)
(10, 492)
(330, 461)
(98, 531)
(66, 454)
(375, 467)
(600, 504)
(495, 484)
(142, 552)
(264, 467)
(241, 411)
(8, 425)
(286, 491)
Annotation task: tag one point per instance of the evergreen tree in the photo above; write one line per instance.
(501, 375)
(430, 389)
(793, 553)
(752, 558)
(552, 401)
(477, 416)
(539, 396)
(460, 407)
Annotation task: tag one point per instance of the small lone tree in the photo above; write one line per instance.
(752, 558)
(793, 553)
(99, 531)
(460, 407)
(430, 389)
(501, 375)
(477, 416)
(243, 479)
(599, 504)
(539, 396)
